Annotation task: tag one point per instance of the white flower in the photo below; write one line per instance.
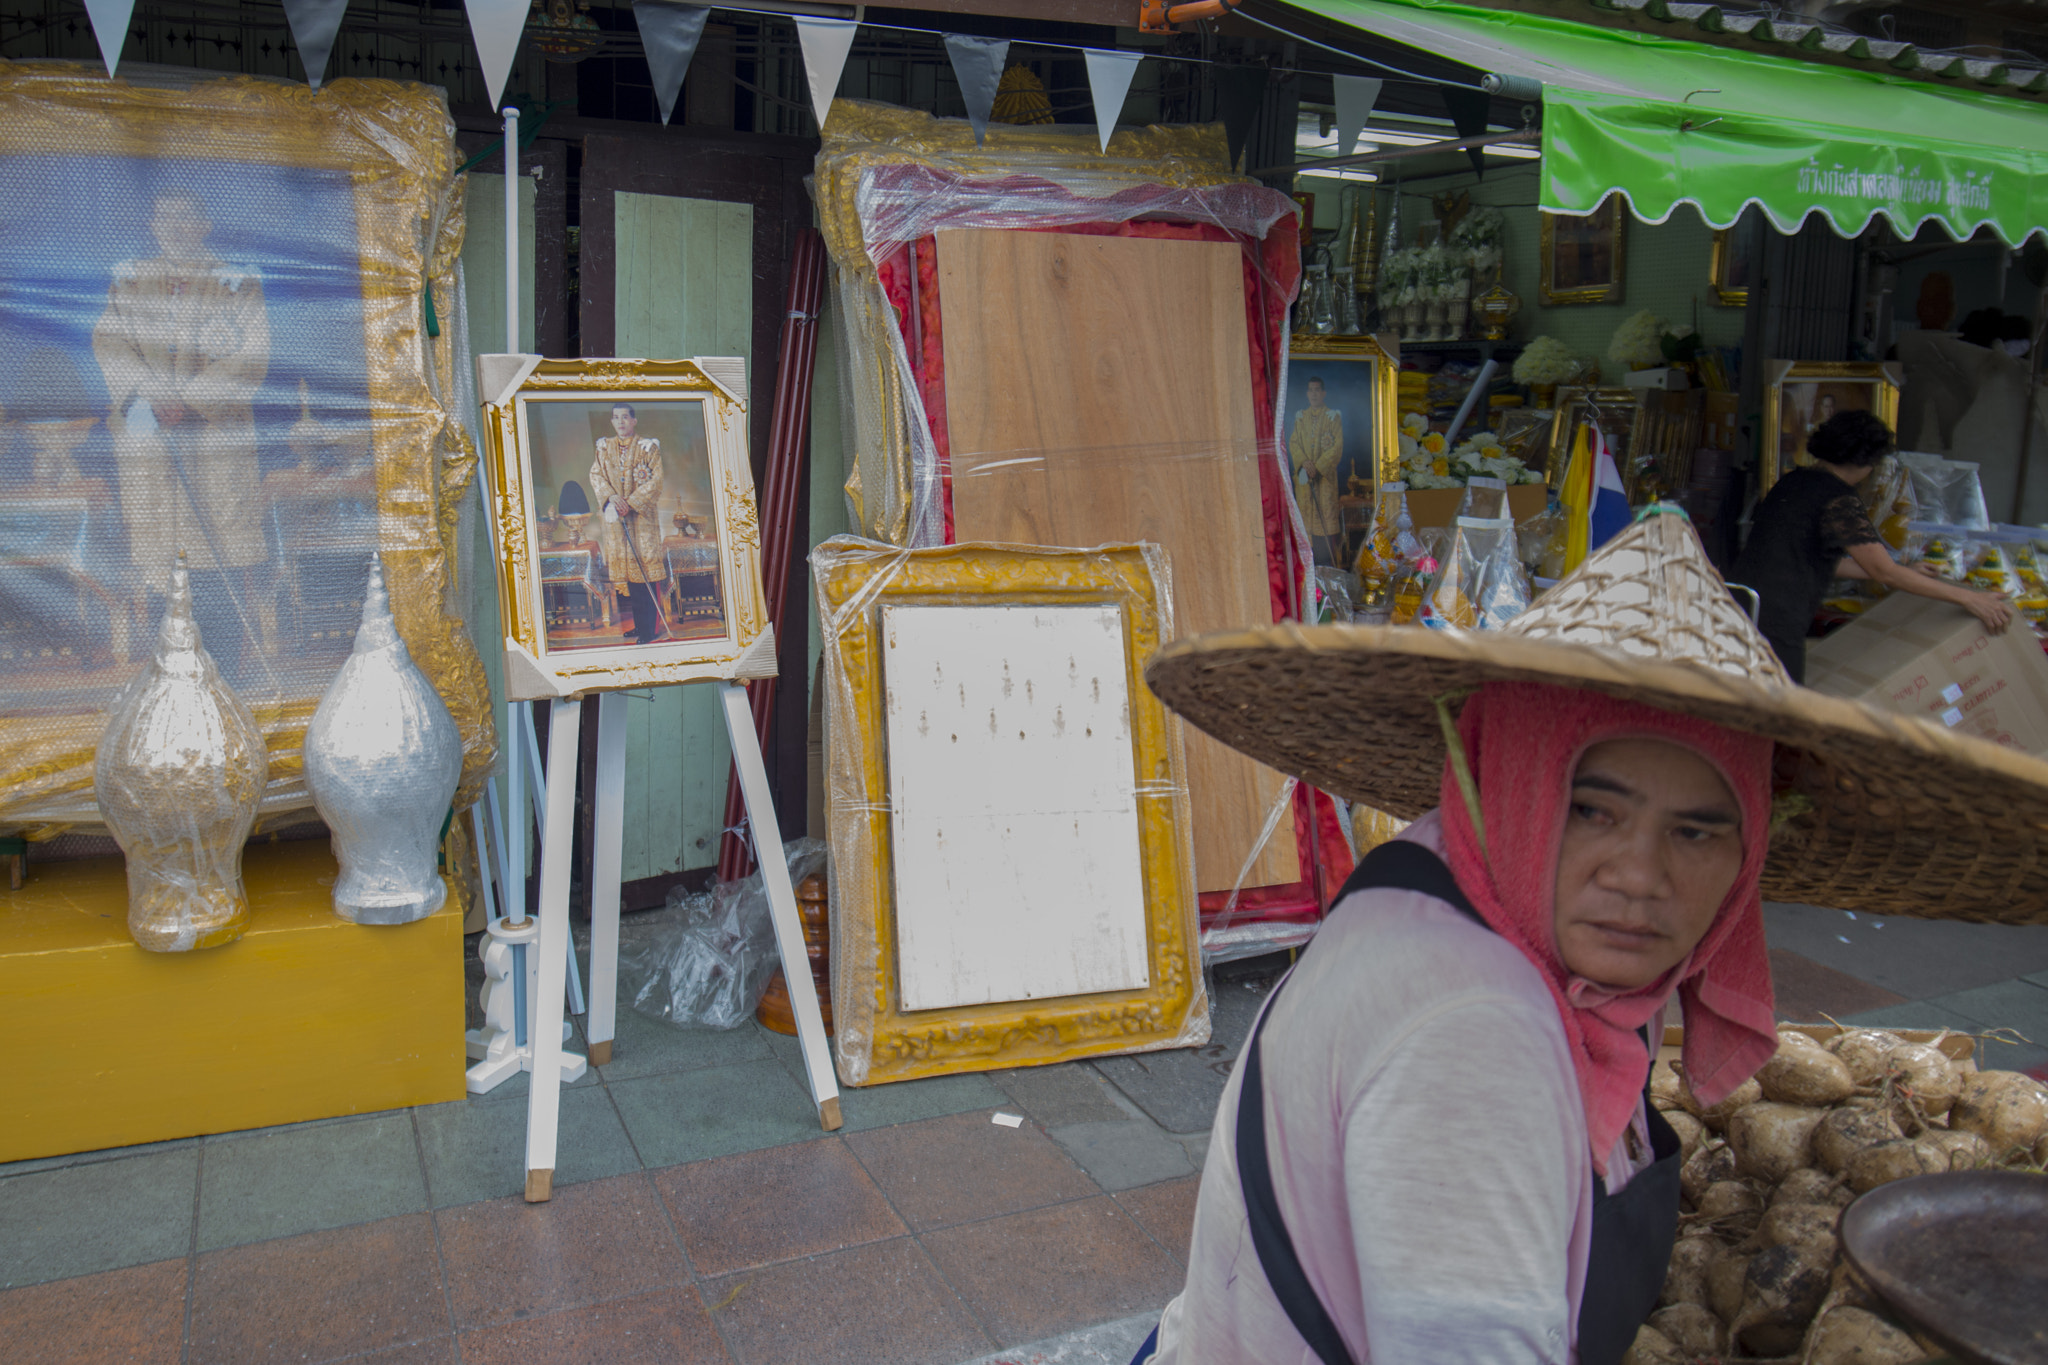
(1414, 424)
(1639, 341)
(1546, 360)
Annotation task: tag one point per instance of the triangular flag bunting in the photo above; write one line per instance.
(978, 66)
(1356, 95)
(669, 33)
(1468, 110)
(314, 24)
(1109, 81)
(110, 27)
(496, 26)
(826, 43)
(1239, 92)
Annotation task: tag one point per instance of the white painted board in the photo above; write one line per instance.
(1011, 775)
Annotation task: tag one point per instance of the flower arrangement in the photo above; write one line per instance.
(1547, 361)
(1427, 463)
(1478, 233)
(1400, 277)
(1639, 341)
(1446, 273)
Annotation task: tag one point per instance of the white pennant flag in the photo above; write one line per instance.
(826, 43)
(669, 34)
(314, 24)
(1109, 81)
(496, 26)
(978, 66)
(1356, 95)
(110, 27)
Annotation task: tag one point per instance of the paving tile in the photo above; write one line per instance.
(92, 1158)
(736, 1212)
(666, 1327)
(478, 1151)
(1121, 1156)
(695, 1115)
(1054, 1096)
(2017, 1005)
(131, 1315)
(1809, 993)
(1167, 1211)
(647, 1047)
(881, 1304)
(319, 1295)
(1918, 958)
(1107, 1343)
(432, 1351)
(78, 1220)
(878, 1106)
(1033, 1274)
(951, 1170)
(1181, 1087)
(509, 1259)
(302, 1179)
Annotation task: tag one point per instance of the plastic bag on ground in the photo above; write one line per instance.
(704, 959)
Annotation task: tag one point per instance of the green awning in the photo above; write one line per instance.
(1671, 122)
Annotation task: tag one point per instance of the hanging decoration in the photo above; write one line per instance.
(1356, 96)
(496, 27)
(1021, 98)
(110, 27)
(669, 32)
(314, 24)
(978, 66)
(826, 43)
(1109, 82)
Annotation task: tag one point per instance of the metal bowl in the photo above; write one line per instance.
(1963, 1257)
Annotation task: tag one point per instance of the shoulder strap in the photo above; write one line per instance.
(1404, 866)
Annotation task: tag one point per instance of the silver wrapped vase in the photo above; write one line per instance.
(383, 758)
(178, 774)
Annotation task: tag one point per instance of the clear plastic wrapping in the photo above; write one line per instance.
(859, 585)
(705, 958)
(236, 340)
(1946, 491)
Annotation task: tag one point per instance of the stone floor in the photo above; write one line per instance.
(699, 1214)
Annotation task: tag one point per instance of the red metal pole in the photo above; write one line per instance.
(789, 434)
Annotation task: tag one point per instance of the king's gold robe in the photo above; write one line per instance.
(629, 470)
(1315, 445)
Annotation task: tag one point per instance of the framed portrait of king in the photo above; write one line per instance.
(216, 340)
(628, 546)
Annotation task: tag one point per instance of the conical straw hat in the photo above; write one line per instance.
(1884, 813)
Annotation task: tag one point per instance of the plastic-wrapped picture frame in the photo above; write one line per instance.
(876, 1039)
(1794, 389)
(729, 637)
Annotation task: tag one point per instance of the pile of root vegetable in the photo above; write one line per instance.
(1757, 1272)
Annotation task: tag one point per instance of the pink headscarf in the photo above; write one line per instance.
(1523, 742)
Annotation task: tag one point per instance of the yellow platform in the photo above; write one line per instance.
(305, 1017)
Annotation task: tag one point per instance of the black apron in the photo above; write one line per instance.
(1633, 1232)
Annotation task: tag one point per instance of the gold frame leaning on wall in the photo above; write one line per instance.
(1719, 262)
(1385, 420)
(1564, 421)
(1885, 378)
(875, 1039)
(390, 148)
(1549, 293)
(709, 605)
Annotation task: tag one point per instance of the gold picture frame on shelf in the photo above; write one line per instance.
(1583, 258)
(860, 585)
(1729, 264)
(1342, 403)
(1616, 408)
(628, 545)
(1802, 394)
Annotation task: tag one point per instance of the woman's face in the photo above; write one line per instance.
(1652, 843)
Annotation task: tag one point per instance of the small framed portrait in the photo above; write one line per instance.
(628, 543)
(1803, 394)
(1583, 259)
(1339, 431)
(1732, 266)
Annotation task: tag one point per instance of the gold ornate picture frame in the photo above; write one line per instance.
(1343, 436)
(1801, 394)
(875, 1038)
(1617, 411)
(1729, 266)
(622, 512)
(1583, 259)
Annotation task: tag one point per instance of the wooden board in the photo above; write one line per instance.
(1098, 389)
(1019, 873)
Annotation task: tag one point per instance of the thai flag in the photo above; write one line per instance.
(1608, 515)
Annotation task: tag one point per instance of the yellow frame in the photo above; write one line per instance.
(532, 670)
(1546, 249)
(874, 1039)
(1386, 400)
(1886, 409)
(397, 143)
(1717, 269)
(1560, 449)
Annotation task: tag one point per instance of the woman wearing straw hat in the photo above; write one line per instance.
(1811, 529)
(1435, 1146)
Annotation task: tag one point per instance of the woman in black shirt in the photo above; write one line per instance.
(1811, 529)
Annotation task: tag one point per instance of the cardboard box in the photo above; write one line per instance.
(1932, 659)
(1436, 506)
